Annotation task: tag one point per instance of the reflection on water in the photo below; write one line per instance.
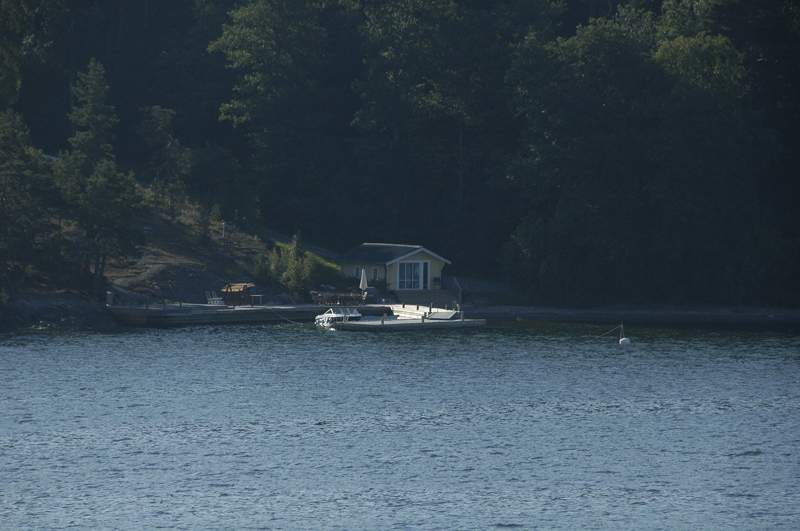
(289, 427)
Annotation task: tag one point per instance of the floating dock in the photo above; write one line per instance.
(394, 324)
(403, 319)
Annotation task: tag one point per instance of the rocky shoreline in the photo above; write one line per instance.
(63, 312)
(66, 312)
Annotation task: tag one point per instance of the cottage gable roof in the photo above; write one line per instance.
(383, 253)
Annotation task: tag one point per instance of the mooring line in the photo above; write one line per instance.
(601, 335)
(284, 318)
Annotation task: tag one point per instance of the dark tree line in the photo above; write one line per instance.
(589, 151)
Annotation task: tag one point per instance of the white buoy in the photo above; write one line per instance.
(622, 339)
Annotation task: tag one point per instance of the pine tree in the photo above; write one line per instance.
(95, 118)
(102, 200)
(26, 199)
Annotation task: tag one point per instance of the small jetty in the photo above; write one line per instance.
(376, 317)
(139, 310)
(169, 315)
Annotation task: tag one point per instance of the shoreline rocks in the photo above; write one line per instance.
(55, 313)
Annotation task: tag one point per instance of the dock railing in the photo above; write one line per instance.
(457, 290)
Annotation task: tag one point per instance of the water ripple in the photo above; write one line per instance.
(288, 428)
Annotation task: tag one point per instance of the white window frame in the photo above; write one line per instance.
(418, 283)
(374, 273)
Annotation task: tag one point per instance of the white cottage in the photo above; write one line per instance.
(403, 267)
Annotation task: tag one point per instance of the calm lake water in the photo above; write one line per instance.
(289, 427)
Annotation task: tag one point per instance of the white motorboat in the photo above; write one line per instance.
(337, 315)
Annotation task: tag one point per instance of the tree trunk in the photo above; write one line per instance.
(99, 270)
(89, 254)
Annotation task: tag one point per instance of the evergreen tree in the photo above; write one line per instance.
(94, 119)
(101, 199)
(291, 267)
(170, 161)
(434, 120)
(214, 179)
(293, 98)
(646, 154)
(640, 165)
(27, 202)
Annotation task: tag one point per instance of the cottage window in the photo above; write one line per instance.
(374, 273)
(412, 275)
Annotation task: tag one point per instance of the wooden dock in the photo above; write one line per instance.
(174, 315)
(376, 318)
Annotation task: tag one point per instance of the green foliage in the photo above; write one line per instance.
(630, 151)
(683, 18)
(261, 270)
(214, 176)
(708, 63)
(27, 202)
(380, 284)
(101, 200)
(295, 269)
(170, 161)
(18, 39)
(216, 213)
(293, 99)
(94, 119)
(325, 272)
(291, 267)
(640, 167)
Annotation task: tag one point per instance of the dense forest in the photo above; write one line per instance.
(588, 151)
